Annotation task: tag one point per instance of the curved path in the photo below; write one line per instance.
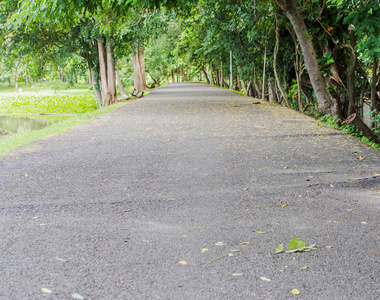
(121, 208)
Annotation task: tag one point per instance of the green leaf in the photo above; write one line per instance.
(303, 268)
(262, 232)
(296, 244)
(280, 248)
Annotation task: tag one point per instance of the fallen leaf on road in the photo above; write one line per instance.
(365, 223)
(283, 205)
(204, 250)
(295, 292)
(263, 232)
(303, 268)
(265, 279)
(219, 244)
(77, 296)
(182, 262)
(361, 157)
(47, 291)
(237, 274)
(198, 227)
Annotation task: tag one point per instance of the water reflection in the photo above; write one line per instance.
(23, 124)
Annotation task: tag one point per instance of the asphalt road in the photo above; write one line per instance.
(121, 208)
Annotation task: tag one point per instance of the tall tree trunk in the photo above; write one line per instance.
(373, 88)
(95, 86)
(265, 62)
(141, 56)
(183, 74)
(120, 84)
(256, 84)
(293, 14)
(201, 75)
(103, 72)
(173, 76)
(271, 90)
(221, 74)
(178, 79)
(351, 76)
(283, 94)
(138, 85)
(111, 76)
(206, 75)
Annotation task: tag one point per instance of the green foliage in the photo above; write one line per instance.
(63, 104)
(335, 123)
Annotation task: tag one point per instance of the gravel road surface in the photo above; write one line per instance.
(186, 194)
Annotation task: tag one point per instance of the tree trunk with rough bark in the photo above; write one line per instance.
(282, 92)
(173, 76)
(95, 86)
(293, 14)
(102, 71)
(111, 76)
(120, 84)
(265, 62)
(373, 88)
(142, 67)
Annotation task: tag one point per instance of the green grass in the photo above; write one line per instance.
(62, 104)
(47, 87)
(333, 122)
(11, 142)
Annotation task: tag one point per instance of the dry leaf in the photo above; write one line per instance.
(77, 296)
(266, 279)
(295, 292)
(219, 244)
(204, 250)
(182, 262)
(237, 274)
(365, 223)
(47, 291)
(286, 204)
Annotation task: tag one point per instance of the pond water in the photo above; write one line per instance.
(23, 124)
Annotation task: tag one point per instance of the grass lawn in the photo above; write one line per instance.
(46, 87)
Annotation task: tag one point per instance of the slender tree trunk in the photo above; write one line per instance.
(173, 76)
(293, 14)
(137, 79)
(351, 76)
(373, 88)
(141, 58)
(111, 75)
(103, 72)
(282, 92)
(178, 79)
(201, 75)
(265, 62)
(256, 84)
(221, 74)
(211, 77)
(271, 90)
(206, 75)
(120, 84)
(95, 87)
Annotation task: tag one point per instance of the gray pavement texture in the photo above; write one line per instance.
(121, 208)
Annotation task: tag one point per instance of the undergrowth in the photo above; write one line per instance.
(335, 123)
